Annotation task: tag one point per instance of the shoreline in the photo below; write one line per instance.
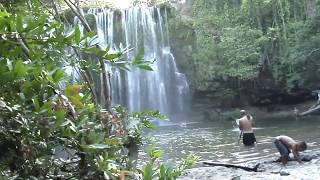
(205, 111)
(267, 170)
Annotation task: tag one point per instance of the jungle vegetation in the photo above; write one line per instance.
(251, 48)
(53, 126)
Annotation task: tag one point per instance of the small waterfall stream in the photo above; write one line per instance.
(164, 88)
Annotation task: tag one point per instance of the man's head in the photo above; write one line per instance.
(302, 146)
(243, 112)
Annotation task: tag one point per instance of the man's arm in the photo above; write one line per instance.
(296, 155)
(252, 121)
(237, 122)
(253, 124)
(240, 125)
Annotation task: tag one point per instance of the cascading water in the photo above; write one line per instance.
(164, 88)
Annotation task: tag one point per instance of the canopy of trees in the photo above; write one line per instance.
(253, 47)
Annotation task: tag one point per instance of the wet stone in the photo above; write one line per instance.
(236, 178)
(284, 173)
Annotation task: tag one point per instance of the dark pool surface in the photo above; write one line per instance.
(218, 141)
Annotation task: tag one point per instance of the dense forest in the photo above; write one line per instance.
(256, 52)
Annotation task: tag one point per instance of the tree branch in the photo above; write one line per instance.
(255, 168)
(75, 10)
(105, 85)
(23, 45)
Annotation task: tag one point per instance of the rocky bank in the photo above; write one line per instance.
(268, 170)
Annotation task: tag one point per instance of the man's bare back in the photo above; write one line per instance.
(245, 124)
(288, 141)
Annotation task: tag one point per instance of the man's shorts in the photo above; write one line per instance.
(248, 139)
(282, 148)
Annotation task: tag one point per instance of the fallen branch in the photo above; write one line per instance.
(312, 110)
(255, 168)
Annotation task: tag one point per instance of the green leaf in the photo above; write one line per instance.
(73, 127)
(157, 153)
(139, 57)
(4, 14)
(19, 24)
(145, 67)
(73, 89)
(2, 103)
(76, 101)
(77, 34)
(20, 69)
(72, 92)
(95, 51)
(60, 115)
(58, 75)
(162, 172)
(36, 104)
(169, 172)
(9, 64)
(112, 56)
(148, 172)
(97, 146)
(67, 122)
(70, 35)
(91, 34)
(108, 47)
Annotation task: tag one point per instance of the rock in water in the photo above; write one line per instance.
(284, 173)
(306, 158)
(236, 178)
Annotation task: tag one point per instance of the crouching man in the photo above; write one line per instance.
(285, 145)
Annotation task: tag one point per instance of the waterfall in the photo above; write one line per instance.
(164, 88)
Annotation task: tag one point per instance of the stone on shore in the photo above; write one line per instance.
(268, 171)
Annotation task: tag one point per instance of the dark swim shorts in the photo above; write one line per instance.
(282, 148)
(248, 139)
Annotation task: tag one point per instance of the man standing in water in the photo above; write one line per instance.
(245, 125)
(284, 144)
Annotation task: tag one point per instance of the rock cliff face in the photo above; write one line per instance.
(182, 36)
(183, 6)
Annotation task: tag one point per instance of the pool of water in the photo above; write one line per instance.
(218, 141)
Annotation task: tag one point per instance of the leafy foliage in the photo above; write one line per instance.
(163, 171)
(262, 44)
(50, 126)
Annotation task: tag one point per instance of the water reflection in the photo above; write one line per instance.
(218, 141)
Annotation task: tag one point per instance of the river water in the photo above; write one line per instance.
(218, 141)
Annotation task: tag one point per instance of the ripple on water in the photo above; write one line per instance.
(219, 143)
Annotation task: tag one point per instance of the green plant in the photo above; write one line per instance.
(50, 127)
(162, 171)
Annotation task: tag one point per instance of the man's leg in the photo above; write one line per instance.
(284, 160)
(283, 150)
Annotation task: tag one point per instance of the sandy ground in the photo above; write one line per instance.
(268, 171)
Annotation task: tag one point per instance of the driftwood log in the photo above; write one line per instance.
(315, 109)
(255, 168)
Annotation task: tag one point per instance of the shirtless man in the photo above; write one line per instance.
(245, 125)
(285, 144)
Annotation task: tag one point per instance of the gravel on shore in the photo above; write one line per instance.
(268, 170)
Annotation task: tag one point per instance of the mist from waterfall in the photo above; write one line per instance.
(164, 88)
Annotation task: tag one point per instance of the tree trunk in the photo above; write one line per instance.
(105, 85)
